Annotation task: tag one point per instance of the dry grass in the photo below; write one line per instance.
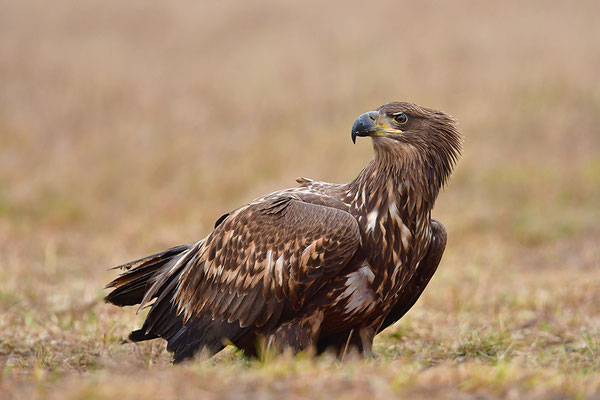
(127, 127)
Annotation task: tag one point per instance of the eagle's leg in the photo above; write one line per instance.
(367, 335)
(358, 339)
(298, 334)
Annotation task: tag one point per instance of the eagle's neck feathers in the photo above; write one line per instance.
(405, 178)
(392, 199)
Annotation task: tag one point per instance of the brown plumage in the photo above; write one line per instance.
(321, 265)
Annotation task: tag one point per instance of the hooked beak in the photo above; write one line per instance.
(365, 126)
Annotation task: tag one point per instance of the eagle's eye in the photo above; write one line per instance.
(401, 118)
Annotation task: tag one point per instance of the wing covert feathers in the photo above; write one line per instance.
(263, 258)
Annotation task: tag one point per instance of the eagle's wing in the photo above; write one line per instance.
(414, 288)
(266, 257)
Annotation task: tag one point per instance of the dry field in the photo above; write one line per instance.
(129, 126)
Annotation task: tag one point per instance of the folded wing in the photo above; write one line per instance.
(265, 258)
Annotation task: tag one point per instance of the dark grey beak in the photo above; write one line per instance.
(364, 125)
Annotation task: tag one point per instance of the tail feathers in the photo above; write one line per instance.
(156, 277)
(203, 334)
(139, 336)
(185, 340)
(131, 285)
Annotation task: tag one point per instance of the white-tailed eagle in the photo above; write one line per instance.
(321, 265)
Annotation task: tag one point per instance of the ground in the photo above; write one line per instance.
(129, 127)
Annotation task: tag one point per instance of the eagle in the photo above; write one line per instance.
(319, 266)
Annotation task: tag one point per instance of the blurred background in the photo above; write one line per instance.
(129, 127)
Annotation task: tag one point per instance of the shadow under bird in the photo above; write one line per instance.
(321, 266)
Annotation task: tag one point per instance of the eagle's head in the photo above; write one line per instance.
(410, 134)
